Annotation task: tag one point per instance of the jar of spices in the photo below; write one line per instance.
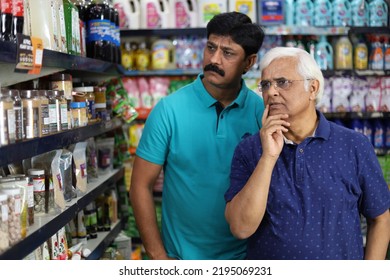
(64, 108)
(4, 237)
(14, 209)
(100, 103)
(7, 119)
(18, 110)
(44, 113)
(62, 81)
(37, 177)
(54, 123)
(86, 94)
(79, 114)
(31, 119)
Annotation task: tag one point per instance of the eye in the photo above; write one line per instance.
(265, 85)
(282, 83)
(228, 53)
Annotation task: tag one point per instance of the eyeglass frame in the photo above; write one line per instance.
(275, 83)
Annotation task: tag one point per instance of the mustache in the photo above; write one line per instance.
(212, 67)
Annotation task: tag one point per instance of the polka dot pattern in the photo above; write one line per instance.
(318, 191)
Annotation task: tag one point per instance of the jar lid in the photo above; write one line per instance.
(10, 92)
(83, 89)
(61, 77)
(75, 105)
(36, 172)
(29, 93)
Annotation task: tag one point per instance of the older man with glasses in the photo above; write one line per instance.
(299, 188)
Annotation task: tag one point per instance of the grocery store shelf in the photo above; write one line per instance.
(47, 225)
(26, 149)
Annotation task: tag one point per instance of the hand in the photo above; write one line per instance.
(271, 133)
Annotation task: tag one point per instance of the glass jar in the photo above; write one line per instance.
(18, 110)
(79, 114)
(54, 122)
(7, 119)
(44, 113)
(86, 94)
(100, 103)
(4, 237)
(14, 208)
(31, 119)
(64, 108)
(37, 177)
(62, 81)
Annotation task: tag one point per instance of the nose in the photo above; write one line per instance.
(216, 57)
(273, 89)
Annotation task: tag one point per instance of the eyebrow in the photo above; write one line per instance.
(224, 48)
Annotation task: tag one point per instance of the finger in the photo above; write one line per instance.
(265, 114)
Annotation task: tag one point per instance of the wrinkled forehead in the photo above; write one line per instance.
(283, 67)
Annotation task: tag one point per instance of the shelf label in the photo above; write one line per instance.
(29, 54)
(24, 54)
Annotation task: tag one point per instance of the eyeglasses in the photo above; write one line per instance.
(281, 83)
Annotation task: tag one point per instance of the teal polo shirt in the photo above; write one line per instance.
(195, 145)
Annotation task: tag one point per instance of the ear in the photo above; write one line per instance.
(250, 61)
(313, 89)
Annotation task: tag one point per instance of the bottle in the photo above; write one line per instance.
(31, 109)
(247, 7)
(207, 9)
(163, 55)
(81, 5)
(154, 14)
(184, 13)
(44, 113)
(341, 13)
(17, 17)
(289, 12)
(378, 13)
(360, 55)
(322, 10)
(324, 54)
(376, 54)
(343, 54)
(18, 110)
(386, 51)
(98, 16)
(117, 41)
(359, 13)
(142, 57)
(7, 119)
(6, 21)
(304, 13)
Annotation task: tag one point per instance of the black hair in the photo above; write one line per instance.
(240, 28)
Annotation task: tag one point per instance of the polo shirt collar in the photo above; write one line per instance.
(209, 101)
(322, 130)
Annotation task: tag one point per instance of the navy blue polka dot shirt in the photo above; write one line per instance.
(318, 191)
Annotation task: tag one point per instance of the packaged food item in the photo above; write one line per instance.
(7, 119)
(37, 177)
(14, 210)
(4, 235)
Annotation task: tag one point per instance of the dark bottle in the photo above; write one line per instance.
(117, 41)
(6, 20)
(17, 17)
(98, 17)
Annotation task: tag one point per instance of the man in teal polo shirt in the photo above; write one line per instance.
(192, 135)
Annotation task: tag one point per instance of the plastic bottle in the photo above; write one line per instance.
(341, 13)
(289, 12)
(386, 50)
(247, 7)
(360, 55)
(6, 20)
(359, 13)
(376, 54)
(163, 55)
(154, 14)
(378, 13)
(207, 9)
(98, 16)
(304, 13)
(322, 11)
(184, 13)
(17, 17)
(324, 54)
(343, 54)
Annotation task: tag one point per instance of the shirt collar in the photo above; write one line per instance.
(322, 130)
(209, 101)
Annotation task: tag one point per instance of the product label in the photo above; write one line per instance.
(181, 16)
(98, 30)
(153, 19)
(17, 8)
